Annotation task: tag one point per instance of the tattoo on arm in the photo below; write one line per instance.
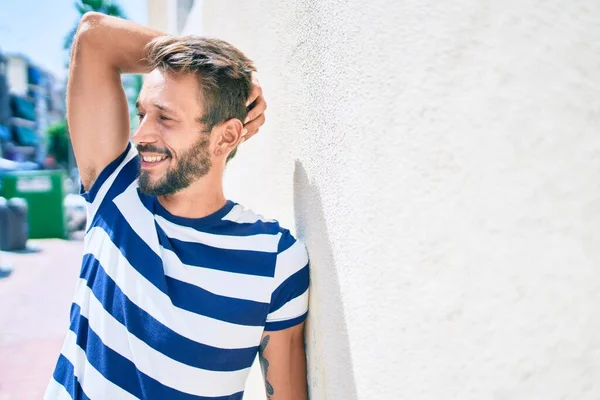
(264, 365)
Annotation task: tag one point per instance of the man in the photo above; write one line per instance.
(179, 288)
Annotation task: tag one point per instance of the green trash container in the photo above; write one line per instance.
(44, 193)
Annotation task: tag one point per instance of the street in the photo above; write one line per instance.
(34, 314)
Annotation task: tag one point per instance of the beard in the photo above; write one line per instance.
(192, 164)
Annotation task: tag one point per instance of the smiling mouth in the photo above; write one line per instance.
(149, 161)
(154, 159)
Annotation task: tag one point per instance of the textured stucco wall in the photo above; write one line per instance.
(442, 162)
(162, 15)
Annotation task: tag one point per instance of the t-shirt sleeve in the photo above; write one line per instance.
(289, 301)
(121, 170)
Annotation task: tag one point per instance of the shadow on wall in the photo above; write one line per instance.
(330, 368)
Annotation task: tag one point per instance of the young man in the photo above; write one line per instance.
(179, 288)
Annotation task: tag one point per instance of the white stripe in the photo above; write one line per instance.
(93, 207)
(243, 216)
(93, 383)
(290, 261)
(139, 217)
(149, 298)
(223, 283)
(56, 391)
(259, 242)
(292, 309)
(169, 372)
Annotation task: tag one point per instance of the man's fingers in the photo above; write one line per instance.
(255, 93)
(253, 126)
(256, 115)
(259, 108)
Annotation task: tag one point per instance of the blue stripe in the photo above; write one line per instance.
(183, 295)
(90, 195)
(201, 301)
(126, 177)
(156, 335)
(286, 241)
(291, 288)
(184, 221)
(64, 374)
(122, 372)
(109, 363)
(239, 261)
(281, 325)
(226, 227)
(141, 257)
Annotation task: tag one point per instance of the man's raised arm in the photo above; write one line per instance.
(98, 117)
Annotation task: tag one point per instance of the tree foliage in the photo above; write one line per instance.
(59, 143)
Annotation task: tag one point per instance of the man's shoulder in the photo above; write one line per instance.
(259, 224)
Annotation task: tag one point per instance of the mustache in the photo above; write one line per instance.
(150, 148)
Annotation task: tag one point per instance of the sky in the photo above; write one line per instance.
(36, 28)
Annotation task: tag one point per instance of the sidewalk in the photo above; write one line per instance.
(34, 314)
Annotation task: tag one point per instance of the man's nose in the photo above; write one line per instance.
(145, 133)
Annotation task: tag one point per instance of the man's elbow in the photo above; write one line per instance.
(88, 28)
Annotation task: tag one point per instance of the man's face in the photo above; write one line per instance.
(173, 148)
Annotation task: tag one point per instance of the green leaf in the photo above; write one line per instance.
(58, 142)
(58, 129)
(114, 10)
(95, 5)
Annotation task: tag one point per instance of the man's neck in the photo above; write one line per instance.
(203, 197)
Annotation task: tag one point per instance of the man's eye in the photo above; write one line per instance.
(140, 116)
(165, 118)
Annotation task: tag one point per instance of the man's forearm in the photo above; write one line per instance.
(120, 42)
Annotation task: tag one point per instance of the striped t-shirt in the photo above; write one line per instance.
(168, 307)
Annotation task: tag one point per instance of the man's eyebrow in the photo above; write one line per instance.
(158, 106)
(164, 108)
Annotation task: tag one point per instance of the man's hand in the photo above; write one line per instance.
(257, 106)
(283, 363)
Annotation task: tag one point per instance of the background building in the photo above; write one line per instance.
(31, 100)
(441, 161)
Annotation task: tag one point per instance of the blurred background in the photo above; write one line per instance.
(42, 217)
(441, 160)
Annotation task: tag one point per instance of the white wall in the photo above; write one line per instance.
(442, 162)
(162, 15)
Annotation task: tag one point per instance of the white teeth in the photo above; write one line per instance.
(153, 159)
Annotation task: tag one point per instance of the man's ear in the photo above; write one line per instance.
(229, 136)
